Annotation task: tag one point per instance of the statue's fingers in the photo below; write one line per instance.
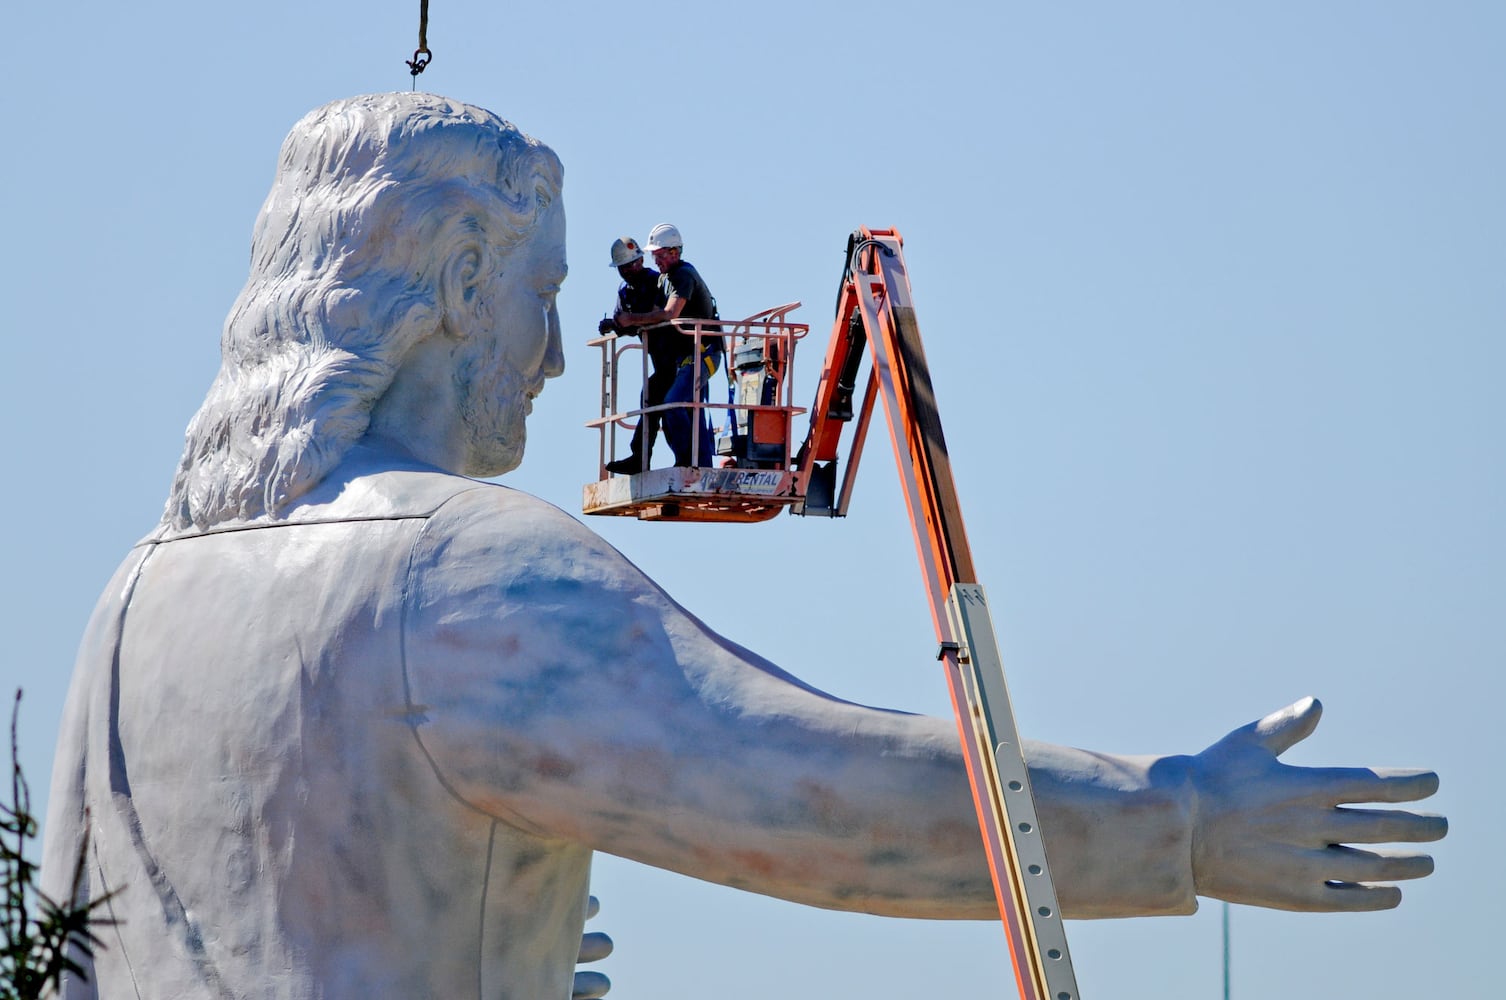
(1380, 826)
(594, 947)
(1313, 880)
(590, 986)
(1286, 727)
(1353, 897)
(1305, 890)
(1365, 784)
(1340, 864)
(1397, 785)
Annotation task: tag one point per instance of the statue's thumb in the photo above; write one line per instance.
(1286, 727)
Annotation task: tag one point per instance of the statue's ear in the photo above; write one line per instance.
(461, 282)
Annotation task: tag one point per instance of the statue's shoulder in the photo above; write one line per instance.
(465, 533)
(465, 521)
(498, 579)
(517, 534)
(372, 486)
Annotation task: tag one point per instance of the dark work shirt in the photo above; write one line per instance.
(685, 282)
(642, 293)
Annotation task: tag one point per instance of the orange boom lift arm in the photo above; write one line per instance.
(875, 307)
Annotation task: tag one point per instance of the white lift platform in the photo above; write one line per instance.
(754, 478)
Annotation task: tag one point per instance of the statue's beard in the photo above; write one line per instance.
(493, 408)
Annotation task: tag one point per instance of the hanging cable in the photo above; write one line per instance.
(421, 55)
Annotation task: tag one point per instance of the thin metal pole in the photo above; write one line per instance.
(1226, 951)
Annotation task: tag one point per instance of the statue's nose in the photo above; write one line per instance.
(554, 348)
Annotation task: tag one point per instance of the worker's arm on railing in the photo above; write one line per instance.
(668, 313)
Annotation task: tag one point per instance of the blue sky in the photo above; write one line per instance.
(1214, 298)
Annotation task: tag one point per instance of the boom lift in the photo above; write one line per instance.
(759, 477)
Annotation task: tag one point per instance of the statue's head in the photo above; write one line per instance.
(393, 218)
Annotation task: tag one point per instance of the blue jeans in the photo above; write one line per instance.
(679, 422)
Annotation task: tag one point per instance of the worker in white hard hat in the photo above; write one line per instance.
(686, 296)
(639, 293)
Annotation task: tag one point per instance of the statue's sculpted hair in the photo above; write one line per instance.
(373, 196)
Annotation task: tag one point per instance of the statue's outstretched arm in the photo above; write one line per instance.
(562, 691)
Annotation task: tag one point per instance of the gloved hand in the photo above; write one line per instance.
(1269, 834)
(606, 326)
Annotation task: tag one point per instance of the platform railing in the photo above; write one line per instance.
(771, 329)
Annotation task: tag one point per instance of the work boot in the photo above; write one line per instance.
(625, 466)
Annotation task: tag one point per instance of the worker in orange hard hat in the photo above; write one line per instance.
(640, 293)
(686, 296)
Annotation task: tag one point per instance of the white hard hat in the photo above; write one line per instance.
(625, 251)
(664, 236)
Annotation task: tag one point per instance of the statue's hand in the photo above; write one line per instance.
(1269, 834)
(594, 946)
